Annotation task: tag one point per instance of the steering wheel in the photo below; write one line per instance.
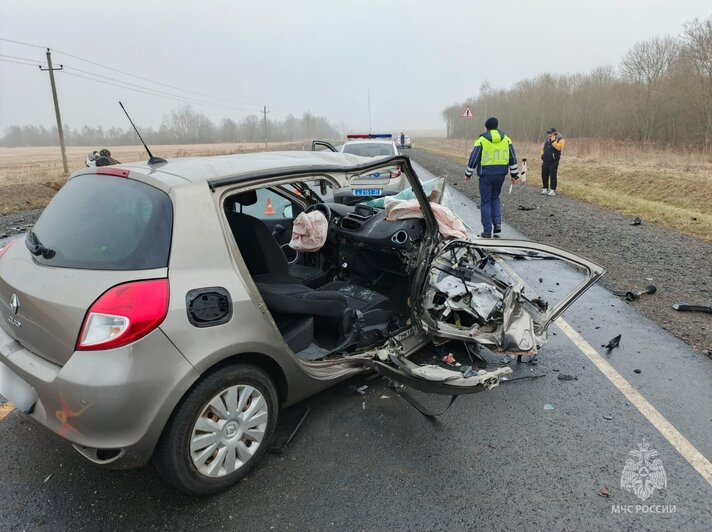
(323, 208)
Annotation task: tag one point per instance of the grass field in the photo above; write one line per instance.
(29, 177)
(670, 188)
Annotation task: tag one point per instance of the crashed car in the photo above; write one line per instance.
(163, 312)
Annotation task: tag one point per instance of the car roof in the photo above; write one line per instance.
(175, 172)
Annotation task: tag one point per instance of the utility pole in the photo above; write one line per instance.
(56, 109)
(264, 110)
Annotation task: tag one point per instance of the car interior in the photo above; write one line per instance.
(349, 295)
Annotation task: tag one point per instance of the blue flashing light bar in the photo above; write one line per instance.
(371, 136)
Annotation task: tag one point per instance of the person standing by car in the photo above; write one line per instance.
(492, 156)
(550, 156)
(402, 139)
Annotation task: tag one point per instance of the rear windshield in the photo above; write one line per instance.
(369, 150)
(106, 223)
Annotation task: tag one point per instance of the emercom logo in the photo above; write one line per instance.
(643, 473)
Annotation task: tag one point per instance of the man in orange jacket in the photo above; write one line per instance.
(550, 156)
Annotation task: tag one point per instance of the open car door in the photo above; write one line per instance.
(324, 144)
(471, 293)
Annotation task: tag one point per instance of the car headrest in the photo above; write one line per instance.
(246, 198)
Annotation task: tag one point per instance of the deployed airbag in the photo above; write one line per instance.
(309, 231)
(449, 225)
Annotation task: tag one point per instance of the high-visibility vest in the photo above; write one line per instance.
(495, 152)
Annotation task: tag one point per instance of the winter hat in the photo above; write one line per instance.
(492, 123)
(551, 130)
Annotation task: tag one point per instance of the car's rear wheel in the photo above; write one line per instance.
(220, 431)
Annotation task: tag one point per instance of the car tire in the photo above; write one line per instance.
(208, 444)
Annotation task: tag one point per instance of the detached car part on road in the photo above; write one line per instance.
(158, 311)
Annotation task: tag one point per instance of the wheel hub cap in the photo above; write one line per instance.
(228, 431)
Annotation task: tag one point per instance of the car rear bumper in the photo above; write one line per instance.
(112, 405)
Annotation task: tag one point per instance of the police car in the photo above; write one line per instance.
(385, 182)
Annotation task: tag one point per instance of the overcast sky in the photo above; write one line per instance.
(416, 56)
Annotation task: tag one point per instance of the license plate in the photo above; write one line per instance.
(16, 390)
(368, 191)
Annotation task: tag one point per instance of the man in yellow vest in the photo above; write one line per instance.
(492, 157)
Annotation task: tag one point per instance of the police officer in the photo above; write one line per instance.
(550, 155)
(492, 156)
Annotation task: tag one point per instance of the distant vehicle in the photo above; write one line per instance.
(100, 158)
(385, 182)
(407, 142)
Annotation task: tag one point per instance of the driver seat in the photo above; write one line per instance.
(341, 304)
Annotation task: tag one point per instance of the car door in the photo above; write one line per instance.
(471, 292)
(471, 295)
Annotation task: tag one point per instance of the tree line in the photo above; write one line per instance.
(181, 126)
(661, 92)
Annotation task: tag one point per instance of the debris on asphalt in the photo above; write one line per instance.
(631, 295)
(612, 343)
(604, 492)
(541, 280)
(688, 307)
(548, 406)
(525, 208)
(636, 371)
(636, 221)
(48, 477)
(360, 389)
(607, 416)
(385, 397)
(566, 377)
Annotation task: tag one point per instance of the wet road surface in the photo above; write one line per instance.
(531, 454)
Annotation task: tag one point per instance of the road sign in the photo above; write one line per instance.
(467, 113)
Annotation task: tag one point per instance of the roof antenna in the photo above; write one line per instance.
(152, 159)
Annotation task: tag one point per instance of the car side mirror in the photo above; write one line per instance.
(287, 211)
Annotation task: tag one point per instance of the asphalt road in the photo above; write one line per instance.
(531, 454)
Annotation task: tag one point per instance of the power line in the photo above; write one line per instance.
(23, 43)
(234, 102)
(22, 58)
(20, 63)
(158, 95)
(158, 92)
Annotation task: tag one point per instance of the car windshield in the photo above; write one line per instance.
(106, 223)
(369, 149)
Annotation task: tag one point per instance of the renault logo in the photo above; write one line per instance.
(14, 304)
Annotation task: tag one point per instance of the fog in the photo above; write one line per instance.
(415, 58)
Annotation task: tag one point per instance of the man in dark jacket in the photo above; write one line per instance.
(550, 155)
(492, 156)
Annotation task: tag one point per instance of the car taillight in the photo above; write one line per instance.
(7, 246)
(124, 314)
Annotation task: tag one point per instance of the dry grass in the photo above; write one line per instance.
(667, 187)
(29, 177)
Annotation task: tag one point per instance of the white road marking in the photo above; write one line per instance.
(681, 444)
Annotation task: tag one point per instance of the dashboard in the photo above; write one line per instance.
(368, 226)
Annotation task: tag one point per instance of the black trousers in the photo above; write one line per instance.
(549, 169)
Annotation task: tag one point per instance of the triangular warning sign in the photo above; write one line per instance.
(467, 113)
